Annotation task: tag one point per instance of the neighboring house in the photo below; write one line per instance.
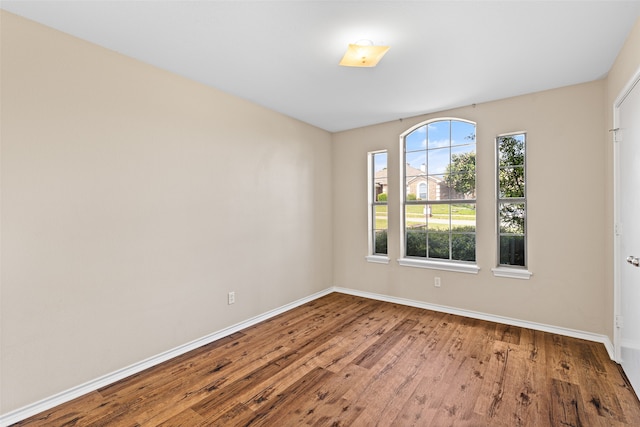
(424, 187)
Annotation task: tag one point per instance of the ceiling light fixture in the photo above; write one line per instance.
(363, 53)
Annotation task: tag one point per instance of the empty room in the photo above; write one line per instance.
(328, 213)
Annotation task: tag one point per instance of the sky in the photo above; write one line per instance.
(429, 144)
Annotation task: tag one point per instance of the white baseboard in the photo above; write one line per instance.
(80, 390)
(589, 336)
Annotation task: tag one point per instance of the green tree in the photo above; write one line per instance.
(511, 163)
(461, 173)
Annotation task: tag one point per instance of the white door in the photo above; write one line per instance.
(627, 137)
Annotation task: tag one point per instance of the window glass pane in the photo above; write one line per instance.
(512, 217)
(413, 186)
(379, 161)
(462, 133)
(415, 163)
(416, 242)
(511, 181)
(465, 151)
(460, 186)
(416, 140)
(439, 187)
(415, 217)
(463, 217)
(439, 218)
(381, 192)
(438, 134)
(380, 179)
(462, 178)
(380, 215)
(380, 242)
(438, 160)
(380, 187)
(511, 150)
(463, 247)
(438, 245)
(512, 250)
(439, 211)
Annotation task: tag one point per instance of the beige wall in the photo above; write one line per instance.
(566, 192)
(133, 200)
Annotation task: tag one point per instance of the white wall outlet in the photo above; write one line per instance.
(231, 298)
(436, 282)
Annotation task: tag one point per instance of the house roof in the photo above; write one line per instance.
(411, 172)
(284, 54)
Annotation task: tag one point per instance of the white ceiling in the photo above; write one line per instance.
(284, 54)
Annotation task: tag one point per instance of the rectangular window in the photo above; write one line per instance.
(439, 204)
(511, 201)
(378, 218)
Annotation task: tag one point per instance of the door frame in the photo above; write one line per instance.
(631, 84)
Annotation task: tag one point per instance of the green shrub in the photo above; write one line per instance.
(382, 197)
(512, 250)
(416, 242)
(439, 245)
(380, 242)
(463, 246)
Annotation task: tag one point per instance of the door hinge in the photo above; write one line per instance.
(619, 322)
(616, 134)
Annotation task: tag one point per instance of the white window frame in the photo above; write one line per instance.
(371, 204)
(447, 265)
(504, 270)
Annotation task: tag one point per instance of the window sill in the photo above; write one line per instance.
(440, 265)
(377, 259)
(512, 273)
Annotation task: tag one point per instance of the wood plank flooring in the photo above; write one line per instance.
(343, 360)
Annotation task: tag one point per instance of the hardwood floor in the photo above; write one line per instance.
(349, 361)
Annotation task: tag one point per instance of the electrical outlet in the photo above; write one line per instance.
(231, 298)
(436, 282)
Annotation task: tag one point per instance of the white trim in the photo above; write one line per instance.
(588, 336)
(512, 273)
(378, 259)
(511, 133)
(80, 390)
(440, 265)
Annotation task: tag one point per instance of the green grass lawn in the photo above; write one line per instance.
(415, 215)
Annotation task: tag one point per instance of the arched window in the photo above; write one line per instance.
(440, 224)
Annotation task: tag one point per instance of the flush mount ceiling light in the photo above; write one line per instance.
(363, 53)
